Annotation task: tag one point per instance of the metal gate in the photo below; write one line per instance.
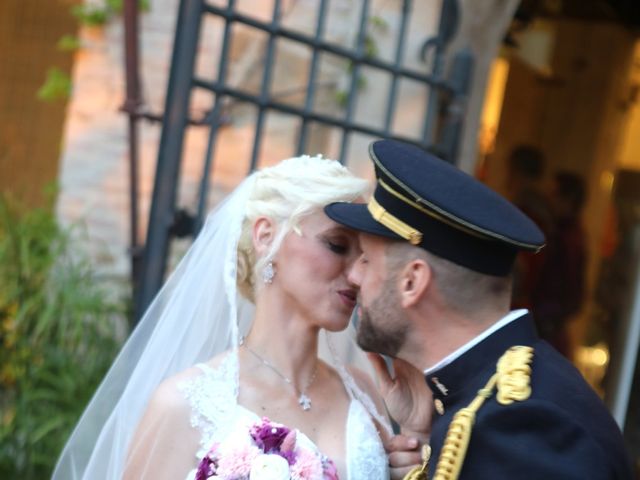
(440, 130)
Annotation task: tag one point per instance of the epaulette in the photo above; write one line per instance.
(512, 378)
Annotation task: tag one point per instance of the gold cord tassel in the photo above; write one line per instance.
(456, 442)
(420, 472)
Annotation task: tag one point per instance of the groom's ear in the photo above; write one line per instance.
(263, 234)
(413, 282)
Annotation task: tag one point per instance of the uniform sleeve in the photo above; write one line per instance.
(530, 440)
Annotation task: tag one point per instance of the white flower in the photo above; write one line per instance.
(269, 467)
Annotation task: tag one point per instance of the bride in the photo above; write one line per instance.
(234, 339)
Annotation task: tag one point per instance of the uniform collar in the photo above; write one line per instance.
(508, 318)
(482, 353)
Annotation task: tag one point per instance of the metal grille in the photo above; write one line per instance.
(439, 131)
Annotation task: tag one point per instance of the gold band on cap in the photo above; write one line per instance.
(378, 212)
(432, 214)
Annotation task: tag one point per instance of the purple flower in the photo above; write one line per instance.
(207, 466)
(269, 436)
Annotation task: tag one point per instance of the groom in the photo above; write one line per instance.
(435, 287)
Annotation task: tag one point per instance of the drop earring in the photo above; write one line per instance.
(268, 273)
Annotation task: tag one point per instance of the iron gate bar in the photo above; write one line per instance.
(352, 95)
(311, 83)
(460, 79)
(132, 106)
(286, 108)
(215, 123)
(169, 152)
(446, 28)
(266, 85)
(328, 47)
(400, 45)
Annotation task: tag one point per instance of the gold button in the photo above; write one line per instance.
(439, 406)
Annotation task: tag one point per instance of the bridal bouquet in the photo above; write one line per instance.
(268, 452)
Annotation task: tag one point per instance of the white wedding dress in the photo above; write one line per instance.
(216, 414)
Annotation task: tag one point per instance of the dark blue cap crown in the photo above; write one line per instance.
(432, 204)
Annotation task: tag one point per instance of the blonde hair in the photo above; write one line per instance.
(285, 193)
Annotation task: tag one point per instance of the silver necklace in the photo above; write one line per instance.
(303, 399)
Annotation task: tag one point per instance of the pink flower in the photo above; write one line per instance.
(235, 461)
(289, 442)
(329, 469)
(307, 467)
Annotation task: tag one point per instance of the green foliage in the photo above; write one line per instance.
(370, 46)
(341, 98)
(91, 15)
(98, 15)
(57, 86)
(57, 339)
(379, 23)
(68, 43)
(376, 26)
(118, 5)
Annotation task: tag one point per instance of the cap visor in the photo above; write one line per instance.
(357, 216)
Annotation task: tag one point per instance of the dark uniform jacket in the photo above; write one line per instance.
(562, 431)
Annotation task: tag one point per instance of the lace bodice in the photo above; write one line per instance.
(216, 414)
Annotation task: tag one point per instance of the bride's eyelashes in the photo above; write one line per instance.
(338, 247)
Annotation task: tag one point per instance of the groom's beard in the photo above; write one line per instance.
(382, 327)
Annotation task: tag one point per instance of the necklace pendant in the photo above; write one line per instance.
(305, 402)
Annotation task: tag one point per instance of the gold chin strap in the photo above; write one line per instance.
(512, 379)
(393, 223)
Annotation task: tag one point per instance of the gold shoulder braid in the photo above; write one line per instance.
(512, 380)
(514, 372)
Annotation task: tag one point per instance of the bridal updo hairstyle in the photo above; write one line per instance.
(285, 193)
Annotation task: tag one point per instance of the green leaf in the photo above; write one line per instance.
(91, 15)
(118, 5)
(379, 23)
(342, 97)
(46, 428)
(57, 86)
(370, 47)
(68, 43)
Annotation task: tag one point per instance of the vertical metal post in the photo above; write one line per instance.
(311, 82)
(131, 106)
(266, 84)
(448, 22)
(623, 363)
(400, 46)
(355, 76)
(215, 121)
(460, 81)
(170, 151)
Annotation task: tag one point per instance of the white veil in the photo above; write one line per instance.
(194, 317)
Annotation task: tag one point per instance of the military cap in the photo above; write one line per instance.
(434, 205)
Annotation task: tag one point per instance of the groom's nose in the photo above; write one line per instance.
(355, 272)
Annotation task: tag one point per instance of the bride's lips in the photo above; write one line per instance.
(348, 297)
